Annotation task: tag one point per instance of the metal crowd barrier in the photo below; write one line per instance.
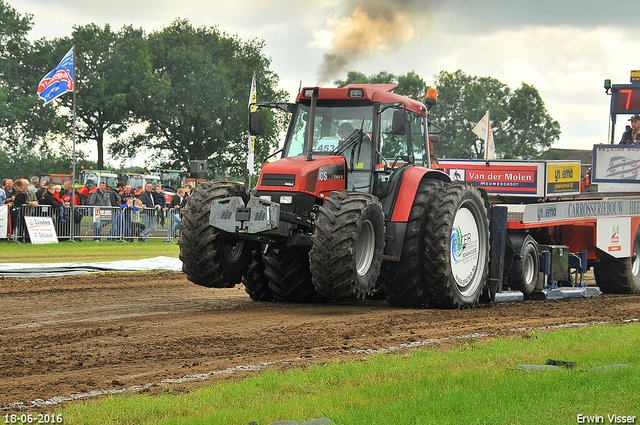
(103, 223)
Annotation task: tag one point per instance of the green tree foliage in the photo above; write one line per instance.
(522, 127)
(113, 73)
(22, 65)
(410, 84)
(199, 106)
(26, 162)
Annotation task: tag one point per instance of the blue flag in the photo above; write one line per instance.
(59, 81)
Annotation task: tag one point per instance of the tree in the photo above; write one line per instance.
(410, 85)
(113, 72)
(199, 106)
(23, 161)
(22, 65)
(521, 126)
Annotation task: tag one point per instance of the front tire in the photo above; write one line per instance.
(620, 275)
(211, 257)
(456, 242)
(348, 243)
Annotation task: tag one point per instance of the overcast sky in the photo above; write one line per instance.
(563, 48)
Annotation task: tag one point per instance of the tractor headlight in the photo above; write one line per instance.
(286, 199)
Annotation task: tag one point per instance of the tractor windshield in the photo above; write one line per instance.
(333, 125)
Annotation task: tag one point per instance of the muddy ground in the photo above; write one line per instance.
(145, 332)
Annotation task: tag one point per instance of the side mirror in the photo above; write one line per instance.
(398, 125)
(254, 123)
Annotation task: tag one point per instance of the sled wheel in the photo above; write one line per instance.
(620, 275)
(523, 275)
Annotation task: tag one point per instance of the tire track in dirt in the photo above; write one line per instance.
(112, 331)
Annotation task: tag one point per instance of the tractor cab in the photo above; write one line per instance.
(372, 133)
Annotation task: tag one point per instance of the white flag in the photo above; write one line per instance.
(483, 130)
(252, 108)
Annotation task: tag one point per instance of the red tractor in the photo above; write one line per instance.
(350, 209)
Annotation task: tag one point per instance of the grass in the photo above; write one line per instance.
(471, 384)
(85, 252)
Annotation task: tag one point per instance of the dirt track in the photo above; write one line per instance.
(116, 331)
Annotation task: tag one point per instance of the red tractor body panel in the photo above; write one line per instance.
(409, 188)
(295, 174)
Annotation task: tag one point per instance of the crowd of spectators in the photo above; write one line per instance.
(137, 217)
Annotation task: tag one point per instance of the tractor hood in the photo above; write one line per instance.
(296, 174)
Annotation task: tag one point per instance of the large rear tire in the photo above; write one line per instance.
(348, 244)
(211, 257)
(620, 275)
(456, 241)
(287, 270)
(403, 281)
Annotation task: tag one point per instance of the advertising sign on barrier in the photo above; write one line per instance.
(613, 236)
(41, 230)
(4, 221)
(515, 177)
(499, 177)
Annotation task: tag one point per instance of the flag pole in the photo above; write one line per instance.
(252, 139)
(486, 136)
(73, 170)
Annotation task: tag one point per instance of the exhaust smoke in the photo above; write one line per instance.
(368, 28)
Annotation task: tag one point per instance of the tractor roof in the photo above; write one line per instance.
(375, 93)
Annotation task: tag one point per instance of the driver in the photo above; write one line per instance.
(363, 151)
(363, 161)
(345, 130)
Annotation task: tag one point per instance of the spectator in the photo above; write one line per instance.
(40, 192)
(135, 227)
(31, 194)
(631, 136)
(33, 186)
(15, 207)
(160, 200)
(126, 194)
(50, 198)
(9, 190)
(72, 201)
(3, 194)
(178, 201)
(100, 198)
(69, 195)
(148, 216)
(115, 194)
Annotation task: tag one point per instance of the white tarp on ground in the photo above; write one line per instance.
(63, 269)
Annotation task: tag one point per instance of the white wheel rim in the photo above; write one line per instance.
(529, 269)
(466, 249)
(365, 248)
(635, 266)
